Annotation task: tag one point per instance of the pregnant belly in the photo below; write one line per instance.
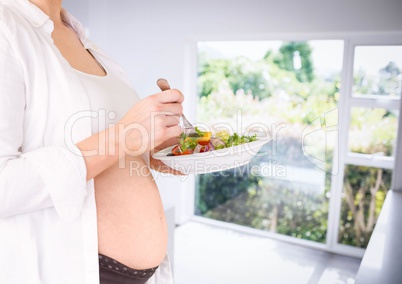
(131, 221)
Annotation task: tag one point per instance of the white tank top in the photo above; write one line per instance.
(109, 97)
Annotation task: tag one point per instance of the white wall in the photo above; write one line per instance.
(148, 38)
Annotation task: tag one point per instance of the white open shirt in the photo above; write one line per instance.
(48, 229)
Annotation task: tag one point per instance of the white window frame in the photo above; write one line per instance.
(346, 102)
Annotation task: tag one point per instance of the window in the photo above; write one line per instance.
(372, 109)
(377, 71)
(330, 108)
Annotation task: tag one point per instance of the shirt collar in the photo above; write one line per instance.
(40, 19)
(30, 12)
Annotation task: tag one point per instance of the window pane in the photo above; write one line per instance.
(377, 70)
(363, 196)
(373, 131)
(292, 89)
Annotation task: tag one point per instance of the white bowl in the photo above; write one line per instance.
(213, 161)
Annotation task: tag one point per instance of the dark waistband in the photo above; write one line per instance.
(113, 272)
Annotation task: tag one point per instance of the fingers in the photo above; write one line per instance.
(173, 131)
(171, 120)
(170, 96)
(159, 114)
(165, 127)
(172, 108)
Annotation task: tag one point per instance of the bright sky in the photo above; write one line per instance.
(373, 58)
(327, 54)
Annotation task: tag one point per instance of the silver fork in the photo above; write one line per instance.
(187, 127)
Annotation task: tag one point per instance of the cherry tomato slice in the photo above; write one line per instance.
(177, 152)
(187, 152)
(204, 140)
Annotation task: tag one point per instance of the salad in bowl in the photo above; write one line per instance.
(203, 141)
(202, 152)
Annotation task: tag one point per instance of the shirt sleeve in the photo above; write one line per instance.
(42, 178)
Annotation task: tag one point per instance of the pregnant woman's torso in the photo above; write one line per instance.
(131, 221)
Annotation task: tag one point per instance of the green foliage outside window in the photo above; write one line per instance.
(272, 90)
